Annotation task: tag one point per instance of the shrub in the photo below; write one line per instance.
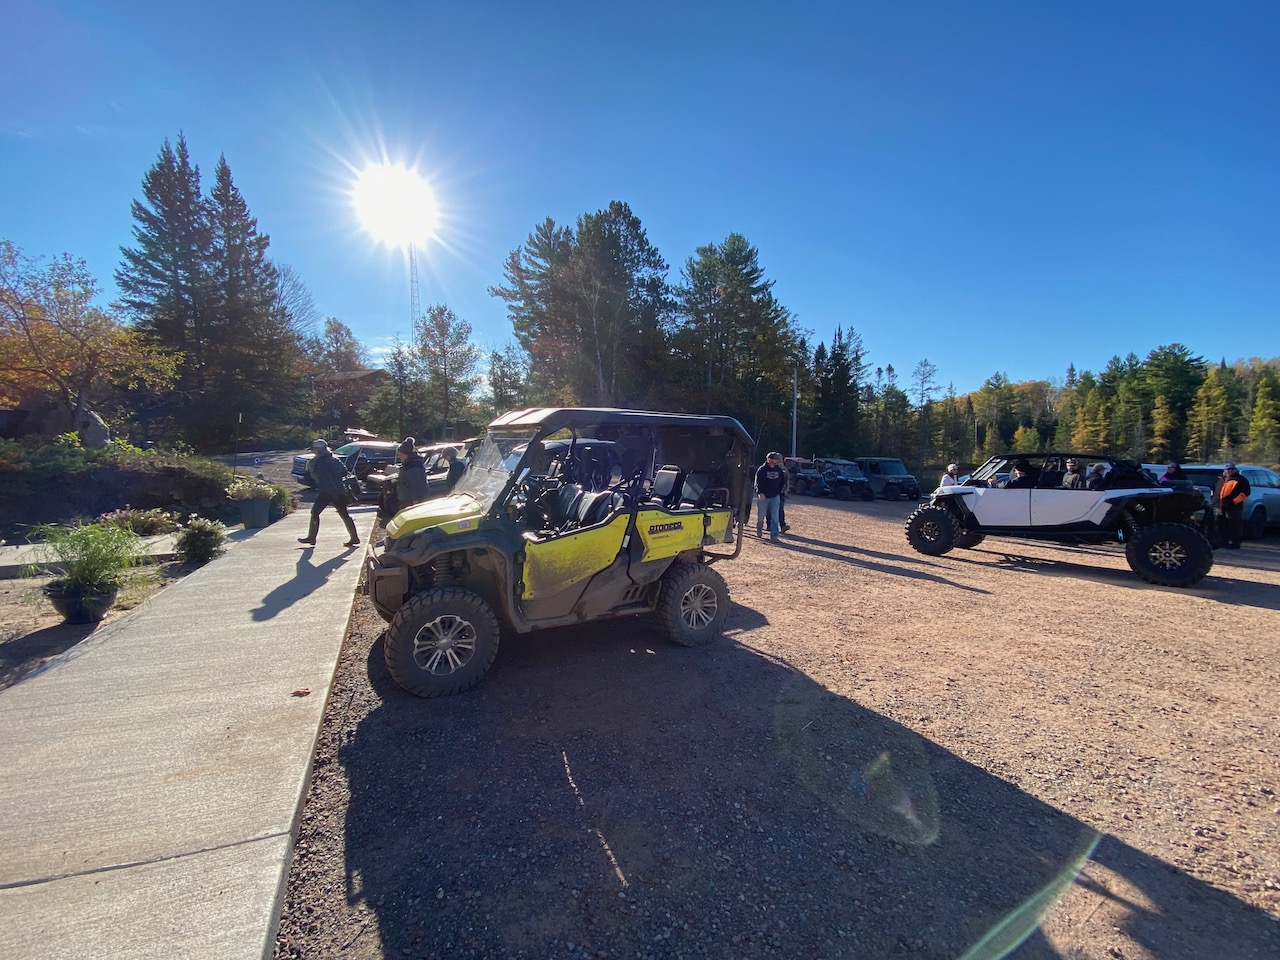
(145, 523)
(247, 488)
(283, 502)
(201, 540)
(57, 460)
(87, 557)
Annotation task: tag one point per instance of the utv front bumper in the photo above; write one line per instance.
(386, 585)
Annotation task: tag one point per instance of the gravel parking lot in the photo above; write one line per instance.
(888, 755)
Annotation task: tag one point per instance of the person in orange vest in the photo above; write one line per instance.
(1229, 497)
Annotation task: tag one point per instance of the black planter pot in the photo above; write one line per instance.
(79, 606)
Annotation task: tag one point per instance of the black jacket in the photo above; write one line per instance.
(1230, 495)
(771, 481)
(411, 481)
(327, 471)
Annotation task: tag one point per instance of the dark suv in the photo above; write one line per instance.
(889, 478)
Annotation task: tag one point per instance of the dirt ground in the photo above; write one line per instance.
(32, 632)
(887, 755)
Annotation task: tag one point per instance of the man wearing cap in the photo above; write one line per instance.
(411, 481)
(456, 468)
(1229, 495)
(328, 472)
(1073, 479)
(951, 477)
(771, 481)
(1097, 479)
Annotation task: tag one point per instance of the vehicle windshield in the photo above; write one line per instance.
(347, 449)
(490, 468)
(849, 471)
(893, 468)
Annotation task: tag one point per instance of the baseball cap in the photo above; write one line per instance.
(1228, 465)
(318, 444)
(773, 455)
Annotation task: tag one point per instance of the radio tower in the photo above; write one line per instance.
(415, 308)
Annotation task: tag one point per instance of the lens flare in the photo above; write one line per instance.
(394, 204)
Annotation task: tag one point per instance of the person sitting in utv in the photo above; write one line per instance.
(1022, 478)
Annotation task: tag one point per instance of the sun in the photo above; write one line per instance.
(394, 204)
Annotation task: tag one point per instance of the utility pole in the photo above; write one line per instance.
(795, 404)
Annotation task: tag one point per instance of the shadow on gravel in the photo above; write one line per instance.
(606, 794)
(1219, 585)
(846, 553)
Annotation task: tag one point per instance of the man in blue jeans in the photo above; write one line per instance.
(771, 483)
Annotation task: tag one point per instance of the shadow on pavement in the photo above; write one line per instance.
(308, 578)
(604, 793)
(24, 655)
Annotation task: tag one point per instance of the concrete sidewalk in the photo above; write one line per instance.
(151, 778)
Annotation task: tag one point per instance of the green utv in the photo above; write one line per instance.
(563, 516)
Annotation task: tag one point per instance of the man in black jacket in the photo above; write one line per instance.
(771, 482)
(456, 468)
(1229, 495)
(328, 472)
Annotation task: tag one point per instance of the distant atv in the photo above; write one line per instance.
(536, 535)
(840, 479)
(1157, 525)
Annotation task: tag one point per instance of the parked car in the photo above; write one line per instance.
(889, 478)
(1160, 527)
(520, 542)
(1261, 510)
(362, 457)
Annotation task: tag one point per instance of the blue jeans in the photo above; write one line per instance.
(767, 506)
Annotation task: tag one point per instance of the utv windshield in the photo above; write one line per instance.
(490, 468)
(894, 468)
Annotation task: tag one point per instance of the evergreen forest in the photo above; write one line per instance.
(210, 341)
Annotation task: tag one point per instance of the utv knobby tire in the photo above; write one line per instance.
(441, 642)
(843, 492)
(1169, 554)
(969, 540)
(868, 494)
(891, 491)
(693, 602)
(801, 488)
(931, 530)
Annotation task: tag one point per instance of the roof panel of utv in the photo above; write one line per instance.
(594, 416)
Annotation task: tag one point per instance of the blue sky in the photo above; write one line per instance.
(991, 186)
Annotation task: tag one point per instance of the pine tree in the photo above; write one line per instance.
(1210, 418)
(1264, 425)
(164, 279)
(446, 360)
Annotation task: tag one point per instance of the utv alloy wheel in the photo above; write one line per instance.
(441, 642)
(1169, 554)
(693, 602)
(931, 530)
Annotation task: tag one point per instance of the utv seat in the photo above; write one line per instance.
(595, 507)
(699, 492)
(668, 484)
(563, 507)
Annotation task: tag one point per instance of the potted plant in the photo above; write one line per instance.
(91, 561)
(254, 499)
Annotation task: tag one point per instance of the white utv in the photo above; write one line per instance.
(1159, 526)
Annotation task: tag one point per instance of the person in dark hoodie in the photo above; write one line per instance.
(771, 482)
(411, 481)
(328, 472)
(456, 468)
